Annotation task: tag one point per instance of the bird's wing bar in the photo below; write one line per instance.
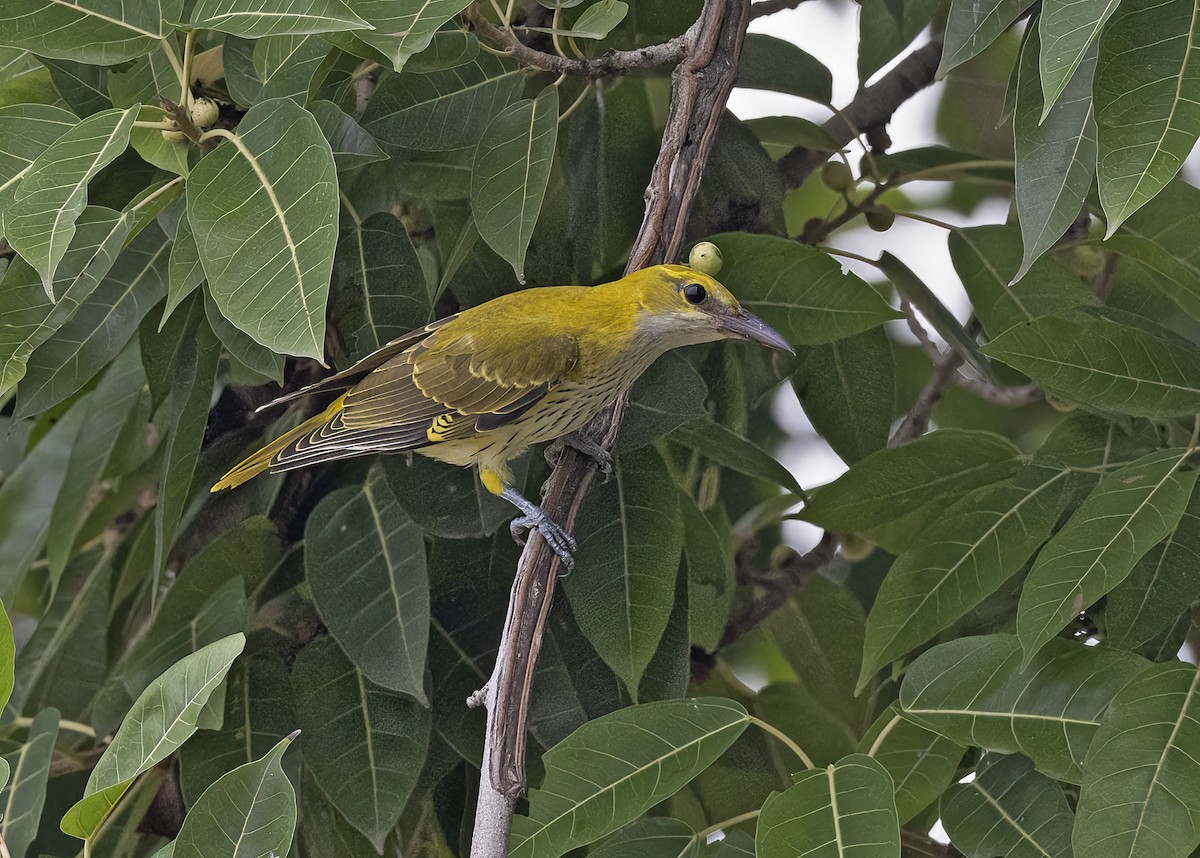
(349, 377)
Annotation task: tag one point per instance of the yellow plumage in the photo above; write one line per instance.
(480, 387)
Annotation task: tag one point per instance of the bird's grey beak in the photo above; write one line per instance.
(747, 326)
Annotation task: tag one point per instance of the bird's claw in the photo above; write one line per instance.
(560, 542)
(594, 451)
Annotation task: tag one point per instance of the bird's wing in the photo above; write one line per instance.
(440, 389)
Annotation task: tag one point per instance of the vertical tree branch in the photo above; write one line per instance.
(700, 87)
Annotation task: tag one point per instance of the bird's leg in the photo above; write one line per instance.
(585, 444)
(562, 543)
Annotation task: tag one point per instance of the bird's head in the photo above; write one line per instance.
(685, 306)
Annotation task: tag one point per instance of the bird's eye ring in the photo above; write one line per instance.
(694, 293)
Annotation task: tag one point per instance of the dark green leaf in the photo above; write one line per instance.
(780, 66)
(352, 146)
(1139, 792)
(986, 258)
(143, 81)
(1068, 30)
(274, 67)
(848, 390)
(804, 716)
(921, 762)
(103, 32)
(630, 536)
(1009, 809)
(365, 562)
(710, 577)
(363, 744)
(447, 49)
(83, 87)
(27, 130)
(1131, 510)
(633, 758)
(1147, 94)
(1055, 152)
(22, 800)
(800, 291)
(1111, 361)
(898, 480)
(652, 837)
(973, 25)
(245, 350)
(779, 135)
(974, 692)
(1160, 238)
(732, 450)
(40, 222)
(273, 17)
(249, 811)
(885, 28)
(843, 810)
(445, 500)
(596, 21)
(103, 323)
(938, 163)
(7, 656)
(404, 29)
(184, 272)
(263, 209)
(669, 394)
(512, 168)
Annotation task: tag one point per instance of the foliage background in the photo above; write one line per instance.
(986, 635)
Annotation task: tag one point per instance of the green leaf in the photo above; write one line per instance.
(842, 810)
(778, 65)
(652, 837)
(666, 396)
(27, 130)
(184, 272)
(1160, 588)
(885, 28)
(7, 655)
(736, 452)
(798, 290)
(938, 163)
(1147, 94)
(108, 410)
(40, 223)
(848, 390)
(1139, 790)
(102, 324)
(191, 394)
(239, 344)
(249, 811)
(365, 562)
(443, 110)
(630, 534)
(446, 500)
(1009, 809)
(633, 759)
(22, 800)
(921, 762)
(27, 498)
(960, 559)
(913, 289)
(161, 720)
(892, 482)
(352, 146)
(1130, 511)
(1068, 29)
(263, 207)
(973, 25)
(1111, 361)
(274, 17)
(104, 32)
(30, 316)
(1055, 152)
(447, 49)
(986, 259)
(384, 294)
(512, 168)
(710, 577)
(974, 692)
(143, 81)
(363, 744)
(274, 67)
(83, 87)
(804, 716)
(1159, 238)
(779, 135)
(404, 29)
(596, 22)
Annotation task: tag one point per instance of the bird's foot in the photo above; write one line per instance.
(585, 444)
(560, 542)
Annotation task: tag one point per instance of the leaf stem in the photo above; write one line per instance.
(848, 254)
(499, 13)
(932, 221)
(189, 54)
(1195, 442)
(73, 726)
(883, 734)
(727, 823)
(783, 737)
(349, 207)
(152, 196)
(139, 123)
(173, 59)
(575, 105)
(554, 30)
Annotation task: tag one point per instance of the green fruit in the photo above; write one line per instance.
(204, 112)
(173, 135)
(837, 176)
(706, 257)
(881, 218)
(1088, 261)
(855, 548)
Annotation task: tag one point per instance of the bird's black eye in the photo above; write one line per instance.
(694, 293)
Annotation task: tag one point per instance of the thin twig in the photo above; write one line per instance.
(917, 420)
(871, 108)
(612, 63)
(700, 88)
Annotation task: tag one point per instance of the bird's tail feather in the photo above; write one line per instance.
(260, 461)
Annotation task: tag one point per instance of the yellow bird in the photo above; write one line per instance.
(479, 387)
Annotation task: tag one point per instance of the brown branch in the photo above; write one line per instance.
(871, 108)
(917, 420)
(700, 88)
(608, 65)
